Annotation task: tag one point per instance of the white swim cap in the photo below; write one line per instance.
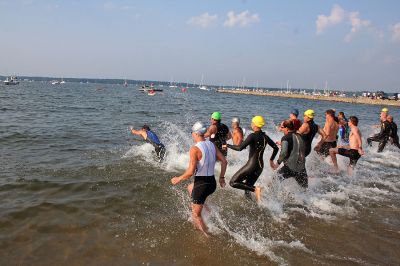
(236, 120)
(199, 128)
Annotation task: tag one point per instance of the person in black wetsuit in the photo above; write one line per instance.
(247, 176)
(150, 137)
(383, 136)
(309, 129)
(394, 138)
(292, 155)
(218, 133)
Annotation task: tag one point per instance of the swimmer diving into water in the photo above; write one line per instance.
(150, 137)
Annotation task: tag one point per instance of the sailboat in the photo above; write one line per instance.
(62, 81)
(171, 84)
(202, 86)
(125, 83)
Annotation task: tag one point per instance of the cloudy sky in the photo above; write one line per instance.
(349, 44)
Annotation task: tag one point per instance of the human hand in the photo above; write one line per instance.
(278, 143)
(224, 146)
(273, 165)
(222, 182)
(175, 180)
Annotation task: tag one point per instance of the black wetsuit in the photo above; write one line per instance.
(308, 137)
(220, 137)
(382, 137)
(294, 159)
(247, 176)
(393, 134)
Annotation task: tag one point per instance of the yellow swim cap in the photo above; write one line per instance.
(385, 110)
(309, 113)
(258, 121)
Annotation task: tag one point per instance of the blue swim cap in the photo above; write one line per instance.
(295, 112)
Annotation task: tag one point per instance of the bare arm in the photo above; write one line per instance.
(323, 135)
(359, 140)
(304, 129)
(191, 168)
(139, 133)
(211, 130)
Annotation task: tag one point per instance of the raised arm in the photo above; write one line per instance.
(139, 132)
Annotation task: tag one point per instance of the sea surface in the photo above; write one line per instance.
(77, 189)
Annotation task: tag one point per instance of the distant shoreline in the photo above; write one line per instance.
(357, 100)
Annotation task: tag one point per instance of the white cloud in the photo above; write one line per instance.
(203, 21)
(242, 19)
(396, 32)
(337, 15)
(356, 25)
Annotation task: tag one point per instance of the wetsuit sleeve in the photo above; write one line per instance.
(284, 151)
(274, 146)
(243, 145)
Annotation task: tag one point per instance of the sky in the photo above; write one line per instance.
(350, 45)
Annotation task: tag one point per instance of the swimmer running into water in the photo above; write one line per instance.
(150, 137)
(353, 150)
(247, 176)
(203, 156)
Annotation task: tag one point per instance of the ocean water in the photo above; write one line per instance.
(77, 189)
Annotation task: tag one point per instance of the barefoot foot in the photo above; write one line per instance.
(257, 191)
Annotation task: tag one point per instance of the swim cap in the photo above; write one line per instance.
(309, 113)
(295, 112)
(258, 121)
(199, 128)
(385, 110)
(216, 116)
(235, 120)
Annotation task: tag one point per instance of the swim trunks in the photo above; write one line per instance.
(203, 187)
(350, 153)
(324, 150)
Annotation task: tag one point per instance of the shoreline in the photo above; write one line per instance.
(357, 100)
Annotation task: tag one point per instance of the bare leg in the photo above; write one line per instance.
(257, 191)
(332, 153)
(350, 170)
(197, 219)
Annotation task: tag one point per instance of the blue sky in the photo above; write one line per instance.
(353, 45)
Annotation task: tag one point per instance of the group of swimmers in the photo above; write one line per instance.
(211, 146)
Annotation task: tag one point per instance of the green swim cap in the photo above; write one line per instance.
(216, 116)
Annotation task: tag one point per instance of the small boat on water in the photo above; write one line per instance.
(57, 82)
(151, 93)
(125, 84)
(147, 88)
(12, 80)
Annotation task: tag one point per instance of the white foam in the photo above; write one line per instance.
(327, 198)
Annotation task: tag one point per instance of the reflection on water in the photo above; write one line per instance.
(76, 188)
